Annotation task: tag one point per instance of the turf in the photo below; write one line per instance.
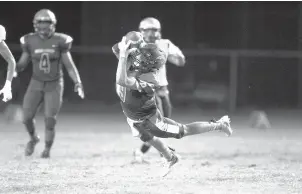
(93, 153)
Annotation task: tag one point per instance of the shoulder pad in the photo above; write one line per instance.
(65, 38)
(24, 38)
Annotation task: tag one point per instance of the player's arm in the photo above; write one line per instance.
(175, 55)
(70, 67)
(7, 55)
(68, 60)
(6, 91)
(25, 56)
(122, 77)
(116, 50)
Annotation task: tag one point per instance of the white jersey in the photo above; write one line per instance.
(2, 33)
(170, 49)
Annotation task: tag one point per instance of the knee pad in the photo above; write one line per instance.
(27, 116)
(50, 123)
(181, 132)
(166, 131)
(145, 135)
(28, 121)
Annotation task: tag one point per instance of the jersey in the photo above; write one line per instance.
(46, 54)
(137, 104)
(170, 49)
(2, 33)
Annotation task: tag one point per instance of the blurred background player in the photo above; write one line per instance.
(48, 50)
(136, 80)
(151, 30)
(6, 91)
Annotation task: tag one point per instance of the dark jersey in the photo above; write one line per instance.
(46, 54)
(137, 104)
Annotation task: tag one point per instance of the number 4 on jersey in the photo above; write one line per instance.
(44, 63)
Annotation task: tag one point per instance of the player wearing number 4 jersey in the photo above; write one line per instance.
(48, 51)
(136, 83)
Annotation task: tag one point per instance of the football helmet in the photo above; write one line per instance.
(147, 58)
(151, 29)
(45, 22)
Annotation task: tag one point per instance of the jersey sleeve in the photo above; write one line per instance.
(66, 43)
(116, 50)
(2, 33)
(24, 43)
(173, 49)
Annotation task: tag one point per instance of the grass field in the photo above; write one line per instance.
(93, 152)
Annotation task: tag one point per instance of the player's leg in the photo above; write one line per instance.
(32, 99)
(52, 104)
(139, 153)
(167, 128)
(137, 131)
(145, 147)
(171, 157)
(159, 103)
(166, 106)
(222, 125)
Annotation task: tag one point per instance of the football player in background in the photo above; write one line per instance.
(6, 91)
(151, 30)
(136, 81)
(48, 51)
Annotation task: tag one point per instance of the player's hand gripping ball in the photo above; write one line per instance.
(136, 38)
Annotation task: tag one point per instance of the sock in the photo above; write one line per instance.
(145, 148)
(200, 127)
(30, 127)
(161, 147)
(49, 138)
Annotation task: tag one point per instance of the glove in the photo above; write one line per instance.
(79, 89)
(6, 91)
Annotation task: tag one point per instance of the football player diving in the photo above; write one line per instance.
(151, 30)
(136, 83)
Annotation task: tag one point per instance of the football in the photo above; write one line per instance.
(134, 37)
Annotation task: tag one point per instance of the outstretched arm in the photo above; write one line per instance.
(122, 77)
(175, 55)
(7, 55)
(6, 91)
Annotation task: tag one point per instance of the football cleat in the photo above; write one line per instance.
(224, 126)
(30, 147)
(171, 164)
(45, 153)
